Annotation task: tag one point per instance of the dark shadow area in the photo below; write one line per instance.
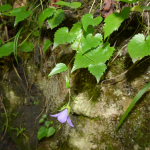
(139, 69)
(85, 81)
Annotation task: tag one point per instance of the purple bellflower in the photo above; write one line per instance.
(63, 117)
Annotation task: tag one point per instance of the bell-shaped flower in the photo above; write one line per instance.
(63, 117)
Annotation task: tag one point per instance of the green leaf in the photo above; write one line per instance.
(62, 36)
(44, 116)
(77, 30)
(134, 101)
(87, 20)
(36, 33)
(114, 20)
(146, 7)
(47, 43)
(50, 132)
(42, 133)
(137, 8)
(129, 1)
(20, 14)
(56, 19)
(81, 61)
(97, 70)
(58, 69)
(96, 56)
(72, 5)
(41, 120)
(51, 122)
(26, 47)
(101, 54)
(5, 8)
(89, 41)
(15, 43)
(6, 49)
(48, 12)
(67, 83)
(74, 98)
(47, 123)
(138, 47)
(0, 42)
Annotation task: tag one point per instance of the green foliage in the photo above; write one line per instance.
(42, 132)
(19, 13)
(72, 5)
(113, 21)
(137, 8)
(47, 43)
(47, 123)
(134, 101)
(74, 98)
(67, 83)
(48, 12)
(26, 47)
(6, 7)
(146, 7)
(62, 36)
(15, 43)
(89, 41)
(36, 33)
(87, 20)
(58, 69)
(6, 49)
(91, 51)
(50, 132)
(97, 70)
(94, 59)
(44, 116)
(138, 47)
(19, 131)
(41, 120)
(45, 131)
(57, 18)
(36, 103)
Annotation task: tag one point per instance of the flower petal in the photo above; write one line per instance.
(69, 121)
(62, 116)
(56, 115)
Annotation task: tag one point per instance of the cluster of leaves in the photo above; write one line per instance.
(45, 131)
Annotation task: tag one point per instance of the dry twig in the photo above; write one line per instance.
(1, 99)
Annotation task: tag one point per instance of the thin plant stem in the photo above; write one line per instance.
(92, 6)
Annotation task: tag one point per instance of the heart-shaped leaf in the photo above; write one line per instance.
(26, 47)
(56, 19)
(5, 8)
(47, 123)
(62, 36)
(87, 20)
(58, 69)
(114, 20)
(138, 47)
(20, 14)
(48, 12)
(42, 132)
(89, 41)
(97, 70)
(6, 49)
(50, 132)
